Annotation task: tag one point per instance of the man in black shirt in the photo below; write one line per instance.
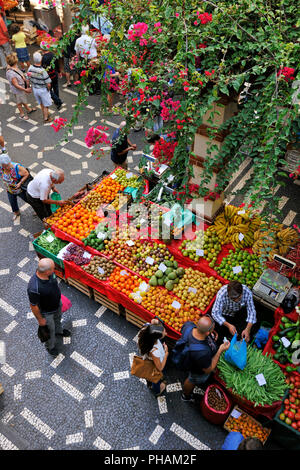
(45, 301)
(120, 147)
(53, 74)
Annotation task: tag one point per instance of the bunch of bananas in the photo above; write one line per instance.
(236, 226)
(278, 238)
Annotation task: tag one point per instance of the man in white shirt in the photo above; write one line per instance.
(85, 46)
(39, 188)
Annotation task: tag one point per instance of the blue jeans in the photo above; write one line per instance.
(14, 201)
(198, 379)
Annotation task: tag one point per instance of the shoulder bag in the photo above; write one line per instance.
(145, 369)
(27, 181)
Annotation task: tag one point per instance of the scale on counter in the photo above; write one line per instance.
(272, 287)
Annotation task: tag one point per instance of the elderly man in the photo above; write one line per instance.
(203, 353)
(41, 85)
(234, 311)
(85, 45)
(45, 302)
(39, 188)
(120, 147)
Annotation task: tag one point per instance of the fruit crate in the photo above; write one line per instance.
(80, 286)
(46, 253)
(110, 304)
(250, 418)
(134, 318)
(284, 434)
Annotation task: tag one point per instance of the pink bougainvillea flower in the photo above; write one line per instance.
(186, 88)
(77, 82)
(195, 23)
(58, 123)
(176, 14)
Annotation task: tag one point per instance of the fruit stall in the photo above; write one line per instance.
(121, 254)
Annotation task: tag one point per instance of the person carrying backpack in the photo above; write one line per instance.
(196, 352)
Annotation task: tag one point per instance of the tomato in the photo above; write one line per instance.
(282, 416)
(294, 425)
(290, 415)
(298, 424)
(292, 399)
(293, 408)
(286, 402)
(297, 417)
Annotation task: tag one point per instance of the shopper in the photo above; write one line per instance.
(85, 45)
(19, 85)
(234, 311)
(41, 85)
(39, 188)
(47, 58)
(203, 353)
(152, 348)
(45, 302)
(69, 52)
(5, 48)
(236, 441)
(112, 77)
(13, 176)
(2, 142)
(120, 147)
(18, 38)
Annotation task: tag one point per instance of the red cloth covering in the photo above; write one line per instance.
(268, 411)
(268, 349)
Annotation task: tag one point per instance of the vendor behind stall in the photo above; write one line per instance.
(234, 311)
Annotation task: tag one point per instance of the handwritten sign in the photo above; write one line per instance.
(241, 236)
(192, 289)
(101, 270)
(101, 235)
(162, 267)
(176, 304)
(199, 252)
(50, 238)
(149, 260)
(237, 269)
(260, 379)
(130, 242)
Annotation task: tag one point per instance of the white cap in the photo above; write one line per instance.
(4, 159)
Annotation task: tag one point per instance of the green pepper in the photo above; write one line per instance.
(275, 338)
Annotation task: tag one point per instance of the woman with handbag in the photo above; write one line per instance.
(13, 176)
(151, 348)
(19, 85)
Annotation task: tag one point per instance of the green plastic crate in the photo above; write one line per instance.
(46, 253)
(284, 434)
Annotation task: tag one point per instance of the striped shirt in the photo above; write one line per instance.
(225, 306)
(38, 76)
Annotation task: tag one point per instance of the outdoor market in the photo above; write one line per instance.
(162, 243)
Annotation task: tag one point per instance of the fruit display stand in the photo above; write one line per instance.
(240, 421)
(283, 433)
(45, 253)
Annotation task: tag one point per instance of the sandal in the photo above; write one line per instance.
(31, 111)
(161, 391)
(16, 216)
(25, 117)
(49, 119)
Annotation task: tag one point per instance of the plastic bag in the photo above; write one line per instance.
(56, 197)
(236, 355)
(66, 303)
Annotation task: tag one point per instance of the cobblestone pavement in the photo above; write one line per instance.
(85, 398)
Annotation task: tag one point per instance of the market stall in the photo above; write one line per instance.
(107, 251)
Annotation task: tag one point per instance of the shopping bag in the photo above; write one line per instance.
(56, 197)
(65, 303)
(236, 355)
(145, 369)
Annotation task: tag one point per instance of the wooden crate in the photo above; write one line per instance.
(80, 286)
(103, 300)
(250, 418)
(134, 318)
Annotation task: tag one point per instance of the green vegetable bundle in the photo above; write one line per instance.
(53, 246)
(244, 383)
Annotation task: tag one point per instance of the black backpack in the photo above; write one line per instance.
(181, 357)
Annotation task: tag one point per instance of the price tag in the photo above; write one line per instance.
(260, 379)
(101, 270)
(149, 260)
(160, 193)
(192, 289)
(113, 176)
(86, 254)
(242, 212)
(101, 235)
(162, 267)
(50, 238)
(170, 178)
(237, 269)
(142, 221)
(176, 304)
(199, 252)
(144, 287)
(129, 175)
(241, 236)
(235, 414)
(130, 242)
(285, 342)
(124, 273)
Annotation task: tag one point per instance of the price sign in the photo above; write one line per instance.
(241, 236)
(129, 175)
(160, 193)
(144, 287)
(50, 238)
(260, 379)
(199, 252)
(242, 212)
(142, 221)
(237, 269)
(87, 255)
(101, 270)
(113, 176)
(130, 242)
(162, 267)
(101, 235)
(124, 273)
(235, 414)
(149, 260)
(192, 289)
(285, 342)
(176, 304)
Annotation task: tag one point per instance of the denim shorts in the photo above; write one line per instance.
(197, 379)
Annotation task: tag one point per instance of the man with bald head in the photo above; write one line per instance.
(45, 302)
(38, 191)
(203, 353)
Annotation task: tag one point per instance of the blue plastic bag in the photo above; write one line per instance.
(236, 355)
